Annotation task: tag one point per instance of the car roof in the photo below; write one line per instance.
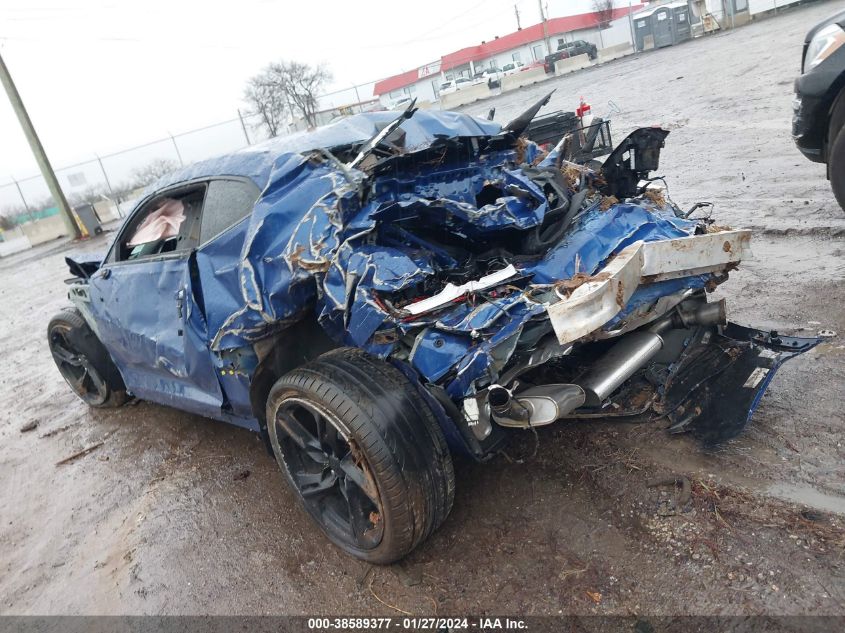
(258, 161)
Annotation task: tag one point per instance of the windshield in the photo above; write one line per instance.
(445, 85)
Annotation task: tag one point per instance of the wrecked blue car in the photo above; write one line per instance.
(378, 294)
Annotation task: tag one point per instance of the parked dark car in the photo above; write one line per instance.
(818, 120)
(384, 291)
(549, 60)
(567, 50)
(579, 47)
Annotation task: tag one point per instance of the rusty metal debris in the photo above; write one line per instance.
(85, 451)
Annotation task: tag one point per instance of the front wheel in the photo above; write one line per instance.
(83, 361)
(363, 452)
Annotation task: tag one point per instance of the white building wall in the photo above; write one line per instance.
(523, 54)
(619, 32)
(759, 6)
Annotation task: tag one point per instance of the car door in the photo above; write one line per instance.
(143, 304)
(228, 203)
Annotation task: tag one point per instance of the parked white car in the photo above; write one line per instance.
(490, 76)
(453, 85)
(399, 104)
(513, 67)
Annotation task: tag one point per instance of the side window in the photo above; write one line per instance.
(226, 203)
(167, 223)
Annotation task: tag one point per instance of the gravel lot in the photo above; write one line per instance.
(175, 514)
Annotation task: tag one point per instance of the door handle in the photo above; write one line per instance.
(180, 301)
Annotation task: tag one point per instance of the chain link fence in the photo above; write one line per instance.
(114, 176)
(105, 188)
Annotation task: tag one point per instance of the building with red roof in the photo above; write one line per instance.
(524, 46)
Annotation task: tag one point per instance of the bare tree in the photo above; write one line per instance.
(302, 84)
(13, 215)
(7, 221)
(152, 171)
(604, 12)
(90, 195)
(291, 86)
(266, 97)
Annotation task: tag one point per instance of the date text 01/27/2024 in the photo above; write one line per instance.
(415, 624)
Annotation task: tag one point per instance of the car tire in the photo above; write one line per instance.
(836, 167)
(363, 452)
(84, 362)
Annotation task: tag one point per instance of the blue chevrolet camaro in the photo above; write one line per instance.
(382, 292)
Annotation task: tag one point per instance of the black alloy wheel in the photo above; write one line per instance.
(364, 453)
(83, 361)
(330, 473)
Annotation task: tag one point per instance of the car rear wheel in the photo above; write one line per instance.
(363, 452)
(83, 361)
(836, 167)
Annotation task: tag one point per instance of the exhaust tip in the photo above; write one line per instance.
(499, 398)
(713, 313)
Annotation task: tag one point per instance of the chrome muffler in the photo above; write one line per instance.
(536, 406)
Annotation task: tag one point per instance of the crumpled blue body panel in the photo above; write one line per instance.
(348, 244)
(310, 243)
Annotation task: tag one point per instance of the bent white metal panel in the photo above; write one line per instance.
(603, 296)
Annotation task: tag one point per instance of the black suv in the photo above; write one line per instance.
(579, 47)
(567, 50)
(818, 120)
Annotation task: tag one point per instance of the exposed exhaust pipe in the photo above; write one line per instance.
(536, 406)
(503, 407)
(713, 313)
(543, 404)
(623, 360)
(635, 350)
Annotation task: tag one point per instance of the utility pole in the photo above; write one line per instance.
(518, 25)
(357, 97)
(545, 30)
(176, 147)
(243, 127)
(38, 151)
(20, 193)
(105, 177)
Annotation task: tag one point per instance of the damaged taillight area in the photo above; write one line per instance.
(516, 287)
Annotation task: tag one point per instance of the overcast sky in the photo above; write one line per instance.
(102, 75)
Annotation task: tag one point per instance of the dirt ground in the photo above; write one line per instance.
(175, 514)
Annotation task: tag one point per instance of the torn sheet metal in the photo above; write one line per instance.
(720, 379)
(423, 250)
(455, 250)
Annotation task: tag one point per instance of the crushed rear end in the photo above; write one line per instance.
(513, 286)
